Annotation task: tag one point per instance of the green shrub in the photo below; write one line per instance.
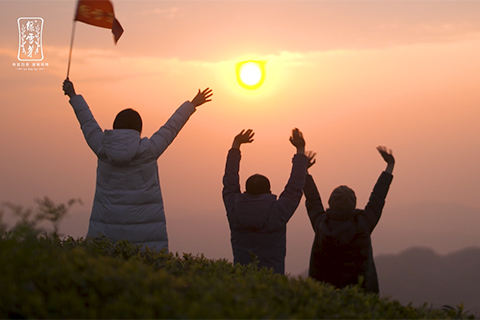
(51, 278)
(43, 276)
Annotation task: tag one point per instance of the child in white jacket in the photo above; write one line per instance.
(128, 201)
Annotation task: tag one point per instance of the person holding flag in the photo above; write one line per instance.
(128, 201)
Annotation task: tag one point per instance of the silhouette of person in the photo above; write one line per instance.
(342, 248)
(257, 219)
(128, 201)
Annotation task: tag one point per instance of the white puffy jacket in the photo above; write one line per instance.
(128, 201)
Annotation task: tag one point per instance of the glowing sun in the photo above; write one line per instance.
(251, 74)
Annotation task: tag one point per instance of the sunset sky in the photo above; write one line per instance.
(351, 75)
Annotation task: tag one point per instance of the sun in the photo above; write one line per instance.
(251, 74)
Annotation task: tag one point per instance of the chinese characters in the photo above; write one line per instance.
(30, 39)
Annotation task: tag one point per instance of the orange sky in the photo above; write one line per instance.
(350, 74)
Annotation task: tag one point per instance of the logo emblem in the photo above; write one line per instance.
(30, 39)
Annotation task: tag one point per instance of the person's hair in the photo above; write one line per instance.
(257, 184)
(343, 199)
(128, 119)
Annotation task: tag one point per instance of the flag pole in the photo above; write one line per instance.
(71, 46)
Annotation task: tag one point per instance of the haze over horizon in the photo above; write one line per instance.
(351, 75)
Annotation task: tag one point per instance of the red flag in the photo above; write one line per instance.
(99, 13)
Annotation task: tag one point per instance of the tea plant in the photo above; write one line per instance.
(45, 276)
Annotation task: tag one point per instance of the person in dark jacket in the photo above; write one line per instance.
(342, 249)
(257, 219)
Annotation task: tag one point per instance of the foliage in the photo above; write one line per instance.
(48, 210)
(28, 219)
(43, 276)
(456, 313)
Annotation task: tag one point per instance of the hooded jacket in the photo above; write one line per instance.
(342, 248)
(128, 201)
(258, 223)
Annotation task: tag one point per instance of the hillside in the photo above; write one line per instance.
(48, 277)
(44, 276)
(419, 275)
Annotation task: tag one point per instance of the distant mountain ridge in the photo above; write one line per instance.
(421, 275)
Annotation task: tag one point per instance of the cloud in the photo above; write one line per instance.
(171, 13)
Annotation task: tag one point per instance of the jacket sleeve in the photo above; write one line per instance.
(91, 130)
(375, 204)
(313, 202)
(231, 181)
(167, 133)
(290, 197)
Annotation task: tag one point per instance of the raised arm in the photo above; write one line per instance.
(388, 157)
(290, 197)
(68, 88)
(91, 130)
(243, 137)
(313, 202)
(311, 158)
(202, 97)
(376, 202)
(231, 179)
(167, 133)
(298, 141)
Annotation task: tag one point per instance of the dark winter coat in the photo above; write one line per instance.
(258, 223)
(342, 249)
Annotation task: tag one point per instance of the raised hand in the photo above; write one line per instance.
(68, 88)
(388, 157)
(243, 137)
(202, 97)
(297, 140)
(386, 154)
(311, 158)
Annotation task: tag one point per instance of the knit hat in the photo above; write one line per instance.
(128, 119)
(258, 184)
(342, 199)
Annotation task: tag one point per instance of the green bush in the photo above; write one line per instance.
(43, 276)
